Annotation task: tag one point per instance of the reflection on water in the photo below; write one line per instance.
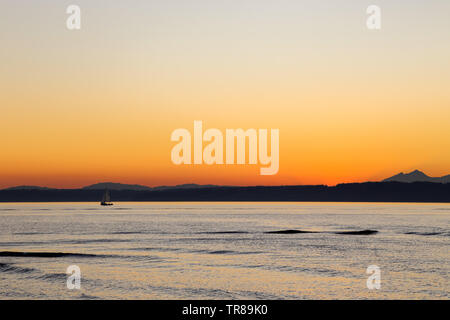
(224, 250)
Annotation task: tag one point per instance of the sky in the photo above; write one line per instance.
(100, 103)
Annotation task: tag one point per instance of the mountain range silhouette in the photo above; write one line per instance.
(417, 176)
(411, 187)
(414, 176)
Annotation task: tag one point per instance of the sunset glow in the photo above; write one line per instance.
(99, 104)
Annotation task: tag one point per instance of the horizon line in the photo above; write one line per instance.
(209, 184)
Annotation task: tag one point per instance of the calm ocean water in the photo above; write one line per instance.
(222, 250)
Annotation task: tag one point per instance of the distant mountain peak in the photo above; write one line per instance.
(28, 188)
(186, 186)
(417, 176)
(137, 187)
(417, 173)
(116, 186)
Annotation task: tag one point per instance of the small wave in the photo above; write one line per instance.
(223, 232)
(156, 249)
(6, 267)
(74, 241)
(233, 252)
(425, 233)
(290, 231)
(197, 251)
(128, 232)
(21, 243)
(210, 239)
(221, 252)
(358, 232)
(43, 254)
(29, 233)
(88, 297)
(84, 241)
(53, 276)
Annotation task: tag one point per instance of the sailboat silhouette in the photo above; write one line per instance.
(106, 200)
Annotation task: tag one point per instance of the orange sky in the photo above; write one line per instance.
(99, 104)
